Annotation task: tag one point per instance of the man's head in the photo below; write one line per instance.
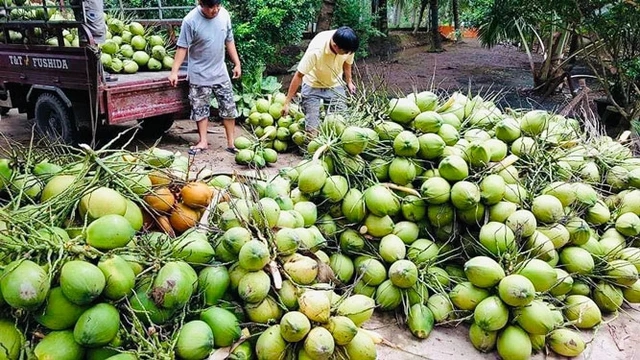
(210, 8)
(346, 40)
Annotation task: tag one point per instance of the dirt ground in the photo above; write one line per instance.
(503, 72)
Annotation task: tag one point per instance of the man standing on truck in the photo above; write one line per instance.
(329, 55)
(94, 15)
(204, 34)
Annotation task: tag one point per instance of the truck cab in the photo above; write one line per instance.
(62, 86)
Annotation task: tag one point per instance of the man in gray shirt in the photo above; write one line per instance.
(204, 34)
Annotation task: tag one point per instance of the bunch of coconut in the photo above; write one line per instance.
(131, 47)
(317, 320)
(274, 131)
(322, 327)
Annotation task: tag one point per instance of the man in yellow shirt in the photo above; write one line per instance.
(329, 56)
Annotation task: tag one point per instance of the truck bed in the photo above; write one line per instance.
(141, 77)
(143, 95)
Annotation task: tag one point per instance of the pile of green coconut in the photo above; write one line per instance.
(441, 210)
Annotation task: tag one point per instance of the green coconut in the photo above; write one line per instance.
(514, 344)
(388, 296)
(406, 144)
(354, 140)
(254, 255)
(540, 273)
(294, 326)
(609, 298)
(195, 340)
(465, 195)
(453, 168)
(483, 271)
(547, 209)
(516, 290)
(436, 190)
(566, 342)
(119, 277)
(582, 311)
(481, 339)
(491, 314)
(466, 296)
(97, 326)
(535, 318)
(497, 238)
(58, 313)
(316, 306)
(402, 171)
(403, 110)
(576, 260)
(522, 222)
(24, 284)
(431, 146)
(224, 325)
(270, 344)
(381, 201)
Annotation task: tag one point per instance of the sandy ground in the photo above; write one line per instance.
(463, 66)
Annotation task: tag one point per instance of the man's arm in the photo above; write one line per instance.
(346, 67)
(233, 55)
(296, 81)
(178, 59)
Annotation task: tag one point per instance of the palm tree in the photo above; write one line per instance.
(456, 17)
(435, 24)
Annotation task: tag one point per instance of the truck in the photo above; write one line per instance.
(63, 88)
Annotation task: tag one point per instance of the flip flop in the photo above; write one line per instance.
(232, 150)
(196, 151)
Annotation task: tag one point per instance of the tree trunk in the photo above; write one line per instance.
(326, 15)
(456, 17)
(423, 7)
(383, 17)
(437, 41)
(397, 14)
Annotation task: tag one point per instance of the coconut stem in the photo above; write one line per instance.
(275, 274)
(504, 163)
(402, 188)
(320, 151)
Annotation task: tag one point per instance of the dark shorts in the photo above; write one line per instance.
(333, 98)
(200, 98)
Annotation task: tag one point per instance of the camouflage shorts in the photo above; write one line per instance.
(200, 98)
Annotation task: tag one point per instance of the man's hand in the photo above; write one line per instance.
(285, 109)
(173, 79)
(351, 87)
(237, 72)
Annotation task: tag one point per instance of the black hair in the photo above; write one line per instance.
(210, 3)
(346, 39)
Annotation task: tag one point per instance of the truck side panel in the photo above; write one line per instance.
(66, 68)
(144, 95)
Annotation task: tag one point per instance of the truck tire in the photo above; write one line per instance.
(155, 126)
(53, 119)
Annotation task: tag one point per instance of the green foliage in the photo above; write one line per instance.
(472, 12)
(352, 13)
(254, 85)
(263, 28)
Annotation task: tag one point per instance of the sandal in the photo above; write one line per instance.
(232, 150)
(196, 151)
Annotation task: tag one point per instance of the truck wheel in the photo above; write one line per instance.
(53, 119)
(155, 126)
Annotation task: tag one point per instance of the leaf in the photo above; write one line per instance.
(237, 98)
(247, 98)
(246, 112)
(270, 84)
(214, 102)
